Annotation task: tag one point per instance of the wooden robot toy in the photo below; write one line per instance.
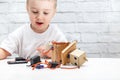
(68, 53)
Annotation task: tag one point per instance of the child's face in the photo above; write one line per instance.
(40, 13)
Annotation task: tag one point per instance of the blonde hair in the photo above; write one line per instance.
(48, 0)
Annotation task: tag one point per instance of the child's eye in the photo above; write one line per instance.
(45, 13)
(35, 12)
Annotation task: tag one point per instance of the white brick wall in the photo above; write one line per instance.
(94, 23)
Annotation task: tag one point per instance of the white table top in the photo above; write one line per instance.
(94, 69)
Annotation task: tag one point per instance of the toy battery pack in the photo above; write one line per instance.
(16, 62)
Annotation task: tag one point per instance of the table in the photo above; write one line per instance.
(93, 69)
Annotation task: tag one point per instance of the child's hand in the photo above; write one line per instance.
(44, 52)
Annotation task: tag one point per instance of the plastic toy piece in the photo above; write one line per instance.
(35, 60)
(57, 48)
(39, 66)
(66, 51)
(53, 65)
(20, 59)
(77, 57)
(16, 62)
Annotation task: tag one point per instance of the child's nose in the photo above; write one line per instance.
(39, 16)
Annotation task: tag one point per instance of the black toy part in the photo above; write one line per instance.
(20, 59)
(16, 62)
(35, 60)
(53, 64)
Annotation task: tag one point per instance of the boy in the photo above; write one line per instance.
(26, 40)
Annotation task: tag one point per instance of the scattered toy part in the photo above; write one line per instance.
(35, 59)
(18, 60)
(40, 66)
(53, 65)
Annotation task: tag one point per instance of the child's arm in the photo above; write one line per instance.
(3, 54)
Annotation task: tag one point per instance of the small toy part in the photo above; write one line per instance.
(35, 60)
(65, 53)
(39, 66)
(77, 57)
(20, 59)
(16, 62)
(53, 65)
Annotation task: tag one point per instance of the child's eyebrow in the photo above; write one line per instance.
(41, 9)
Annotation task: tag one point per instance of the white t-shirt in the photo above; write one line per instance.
(24, 41)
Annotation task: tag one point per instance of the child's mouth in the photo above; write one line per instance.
(39, 23)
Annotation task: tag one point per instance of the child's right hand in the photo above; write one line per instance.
(44, 52)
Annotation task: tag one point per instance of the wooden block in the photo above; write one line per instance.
(78, 57)
(57, 48)
(66, 51)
